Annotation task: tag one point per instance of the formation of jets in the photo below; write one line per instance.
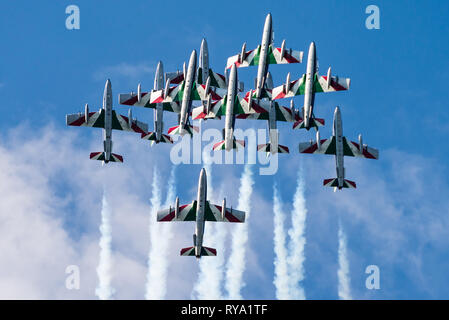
(222, 95)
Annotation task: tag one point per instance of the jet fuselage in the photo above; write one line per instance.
(204, 61)
(230, 116)
(339, 155)
(263, 64)
(309, 94)
(159, 111)
(186, 103)
(107, 132)
(200, 209)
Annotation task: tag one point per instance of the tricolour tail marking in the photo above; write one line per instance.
(235, 145)
(334, 183)
(205, 251)
(152, 137)
(101, 156)
(314, 122)
(178, 130)
(267, 148)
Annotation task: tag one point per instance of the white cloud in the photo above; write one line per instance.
(51, 201)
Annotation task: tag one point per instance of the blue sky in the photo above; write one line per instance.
(397, 100)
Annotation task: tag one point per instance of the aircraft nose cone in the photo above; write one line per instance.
(203, 174)
(268, 18)
(193, 55)
(337, 113)
(203, 44)
(312, 48)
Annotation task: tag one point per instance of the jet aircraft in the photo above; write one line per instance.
(339, 146)
(230, 106)
(200, 211)
(264, 55)
(107, 119)
(309, 84)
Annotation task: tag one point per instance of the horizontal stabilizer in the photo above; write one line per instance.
(152, 137)
(314, 122)
(334, 183)
(205, 251)
(267, 148)
(101, 156)
(235, 145)
(187, 129)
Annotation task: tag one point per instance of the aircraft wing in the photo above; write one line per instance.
(218, 108)
(297, 87)
(96, 119)
(282, 113)
(327, 146)
(149, 100)
(216, 80)
(252, 57)
(213, 213)
(186, 212)
(352, 149)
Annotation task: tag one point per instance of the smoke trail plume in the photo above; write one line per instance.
(344, 291)
(236, 262)
(104, 290)
(208, 285)
(297, 242)
(156, 286)
(281, 279)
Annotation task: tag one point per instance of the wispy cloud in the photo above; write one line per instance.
(237, 260)
(297, 242)
(281, 279)
(344, 280)
(104, 290)
(156, 286)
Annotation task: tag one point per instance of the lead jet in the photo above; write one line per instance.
(175, 99)
(339, 146)
(230, 106)
(264, 55)
(309, 84)
(107, 119)
(200, 211)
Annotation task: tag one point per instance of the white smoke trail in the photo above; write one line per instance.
(236, 262)
(160, 235)
(281, 280)
(344, 291)
(104, 290)
(210, 276)
(297, 241)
